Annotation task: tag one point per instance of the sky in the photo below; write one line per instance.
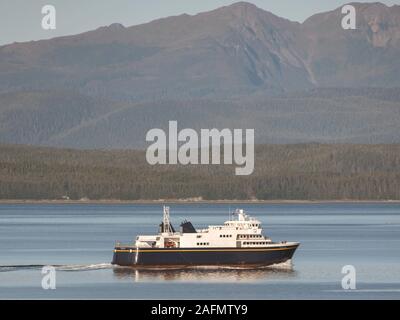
(20, 20)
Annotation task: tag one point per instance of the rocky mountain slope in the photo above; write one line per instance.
(234, 66)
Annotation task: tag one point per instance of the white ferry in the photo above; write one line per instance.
(239, 241)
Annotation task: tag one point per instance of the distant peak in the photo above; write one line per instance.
(243, 5)
(245, 11)
(240, 8)
(116, 26)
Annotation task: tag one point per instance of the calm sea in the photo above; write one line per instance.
(78, 240)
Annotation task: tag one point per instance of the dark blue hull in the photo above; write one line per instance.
(130, 256)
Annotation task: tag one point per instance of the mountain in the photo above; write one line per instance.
(235, 49)
(236, 66)
(354, 58)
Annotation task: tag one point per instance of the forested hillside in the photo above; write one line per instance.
(304, 171)
(238, 66)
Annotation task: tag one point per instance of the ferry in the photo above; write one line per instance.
(239, 241)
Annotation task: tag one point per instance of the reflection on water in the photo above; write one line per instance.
(206, 273)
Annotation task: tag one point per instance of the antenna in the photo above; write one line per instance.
(166, 223)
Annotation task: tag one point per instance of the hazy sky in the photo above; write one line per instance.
(20, 20)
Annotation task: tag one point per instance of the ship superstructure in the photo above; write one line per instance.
(238, 241)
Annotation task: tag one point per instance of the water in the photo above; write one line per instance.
(78, 240)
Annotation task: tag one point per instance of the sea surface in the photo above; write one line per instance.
(78, 239)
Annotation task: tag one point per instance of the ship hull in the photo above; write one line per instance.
(131, 256)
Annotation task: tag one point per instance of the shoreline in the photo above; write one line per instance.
(184, 201)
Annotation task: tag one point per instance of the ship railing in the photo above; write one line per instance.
(120, 244)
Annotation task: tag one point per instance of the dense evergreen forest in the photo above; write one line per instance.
(298, 172)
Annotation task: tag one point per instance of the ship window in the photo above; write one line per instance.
(198, 236)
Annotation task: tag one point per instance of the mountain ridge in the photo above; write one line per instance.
(238, 65)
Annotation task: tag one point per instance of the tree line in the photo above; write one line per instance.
(293, 172)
